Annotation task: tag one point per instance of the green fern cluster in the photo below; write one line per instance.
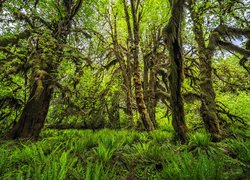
(109, 154)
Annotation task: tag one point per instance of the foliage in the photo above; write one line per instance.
(114, 154)
(85, 57)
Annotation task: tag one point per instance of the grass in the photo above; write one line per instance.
(110, 154)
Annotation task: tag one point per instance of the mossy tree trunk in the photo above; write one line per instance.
(127, 85)
(35, 111)
(152, 96)
(173, 39)
(129, 68)
(149, 84)
(208, 105)
(113, 111)
(125, 66)
(136, 74)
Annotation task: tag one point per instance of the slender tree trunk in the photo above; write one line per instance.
(137, 76)
(152, 96)
(35, 111)
(129, 106)
(173, 38)
(128, 91)
(149, 86)
(208, 106)
(140, 100)
(113, 112)
(125, 68)
(129, 64)
(145, 77)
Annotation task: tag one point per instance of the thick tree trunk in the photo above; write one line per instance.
(173, 38)
(128, 91)
(208, 106)
(34, 113)
(129, 65)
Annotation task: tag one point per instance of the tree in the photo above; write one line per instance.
(207, 93)
(124, 59)
(208, 108)
(35, 110)
(142, 108)
(173, 39)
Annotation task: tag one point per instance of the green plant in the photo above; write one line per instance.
(241, 149)
(201, 143)
(104, 152)
(186, 166)
(3, 160)
(160, 137)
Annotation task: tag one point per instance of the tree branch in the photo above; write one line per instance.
(13, 39)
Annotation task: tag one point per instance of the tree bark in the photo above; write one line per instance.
(136, 75)
(208, 105)
(149, 85)
(126, 71)
(173, 39)
(113, 112)
(35, 111)
(152, 96)
(129, 66)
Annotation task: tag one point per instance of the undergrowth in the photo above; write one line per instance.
(110, 154)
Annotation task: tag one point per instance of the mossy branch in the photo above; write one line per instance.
(5, 41)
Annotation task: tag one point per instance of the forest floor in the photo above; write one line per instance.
(123, 154)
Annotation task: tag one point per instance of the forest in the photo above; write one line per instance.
(124, 89)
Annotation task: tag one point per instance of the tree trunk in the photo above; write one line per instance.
(127, 85)
(149, 86)
(129, 106)
(152, 96)
(128, 91)
(208, 106)
(34, 113)
(140, 100)
(125, 68)
(136, 75)
(113, 112)
(129, 66)
(173, 39)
